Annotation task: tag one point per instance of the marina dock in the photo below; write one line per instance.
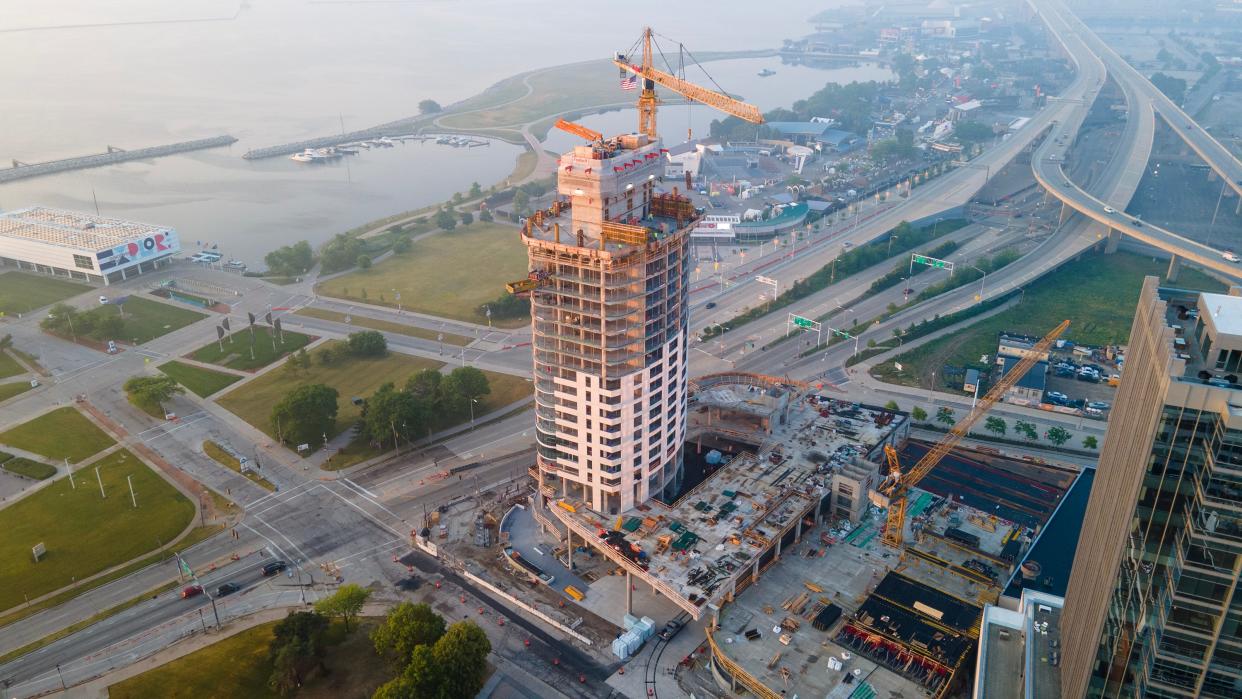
(114, 155)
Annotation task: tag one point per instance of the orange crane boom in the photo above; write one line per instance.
(579, 130)
(897, 484)
(651, 77)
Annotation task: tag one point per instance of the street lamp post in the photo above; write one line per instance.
(472, 402)
(982, 281)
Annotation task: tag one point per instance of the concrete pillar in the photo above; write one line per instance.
(629, 592)
(1237, 210)
(1114, 239)
(798, 531)
(569, 538)
(1175, 268)
(754, 575)
(778, 546)
(1065, 213)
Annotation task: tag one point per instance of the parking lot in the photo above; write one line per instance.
(1063, 378)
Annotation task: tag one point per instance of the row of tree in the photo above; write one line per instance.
(101, 323)
(298, 646)
(1056, 434)
(291, 260)
(428, 401)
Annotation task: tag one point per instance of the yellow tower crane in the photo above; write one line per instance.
(897, 484)
(651, 76)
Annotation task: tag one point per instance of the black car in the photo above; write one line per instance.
(273, 568)
(670, 630)
(710, 305)
(227, 589)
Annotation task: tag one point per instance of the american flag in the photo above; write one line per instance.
(629, 83)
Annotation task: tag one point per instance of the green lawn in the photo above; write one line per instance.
(146, 320)
(83, 532)
(237, 667)
(237, 349)
(63, 433)
(13, 388)
(30, 469)
(23, 293)
(202, 382)
(384, 326)
(9, 366)
(1098, 294)
(350, 376)
(448, 274)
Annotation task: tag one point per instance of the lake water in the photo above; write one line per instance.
(82, 74)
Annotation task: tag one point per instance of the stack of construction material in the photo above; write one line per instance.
(826, 618)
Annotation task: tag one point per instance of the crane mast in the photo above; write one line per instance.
(652, 76)
(897, 484)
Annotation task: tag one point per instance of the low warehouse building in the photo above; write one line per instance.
(83, 246)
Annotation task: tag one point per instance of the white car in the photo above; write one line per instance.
(1228, 255)
(103, 300)
(1109, 210)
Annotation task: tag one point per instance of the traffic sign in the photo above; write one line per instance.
(802, 322)
(932, 262)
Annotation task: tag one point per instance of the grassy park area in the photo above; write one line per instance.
(25, 467)
(386, 326)
(9, 366)
(448, 274)
(83, 532)
(202, 382)
(237, 352)
(1097, 293)
(351, 376)
(237, 667)
(146, 320)
(23, 293)
(13, 388)
(63, 433)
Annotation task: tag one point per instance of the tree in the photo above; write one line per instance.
(444, 219)
(1173, 88)
(1027, 429)
(521, 202)
(346, 603)
(61, 318)
(364, 261)
(421, 678)
(428, 107)
(406, 627)
(972, 132)
(461, 654)
(368, 343)
(918, 414)
(467, 218)
(290, 260)
(304, 360)
(1090, 442)
(392, 414)
(945, 415)
(305, 415)
(996, 424)
(891, 405)
(470, 382)
(486, 216)
(152, 390)
(475, 190)
(327, 355)
(105, 327)
(1057, 435)
(295, 650)
(402, 245)
(425, 385)
(340, 253)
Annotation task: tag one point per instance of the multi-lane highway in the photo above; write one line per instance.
(1144, 100)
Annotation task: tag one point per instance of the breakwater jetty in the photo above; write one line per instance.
(21, 170)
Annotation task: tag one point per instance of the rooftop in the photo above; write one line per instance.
(1207, 335)
(712, 533)
(72, 229)
(1036, 378)
(1020, 648)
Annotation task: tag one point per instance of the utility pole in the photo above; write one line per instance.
(70, 470)
(132, 496)
(102, 495)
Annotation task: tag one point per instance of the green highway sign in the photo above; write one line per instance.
(802, 322)
(930, 261)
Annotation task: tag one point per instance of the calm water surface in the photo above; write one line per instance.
(80, 74)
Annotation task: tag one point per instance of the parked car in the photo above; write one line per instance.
(227, 589)
(1056, 398)
(710, 305)
(191, 591)
(1228, 255)
(670, 629)
(1099, 405)
(273, 568)
(103, 300)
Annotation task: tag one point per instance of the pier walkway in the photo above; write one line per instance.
(21, 170)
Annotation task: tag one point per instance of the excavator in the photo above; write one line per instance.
(892, 492)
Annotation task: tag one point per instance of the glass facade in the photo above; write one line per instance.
(1173, 624)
